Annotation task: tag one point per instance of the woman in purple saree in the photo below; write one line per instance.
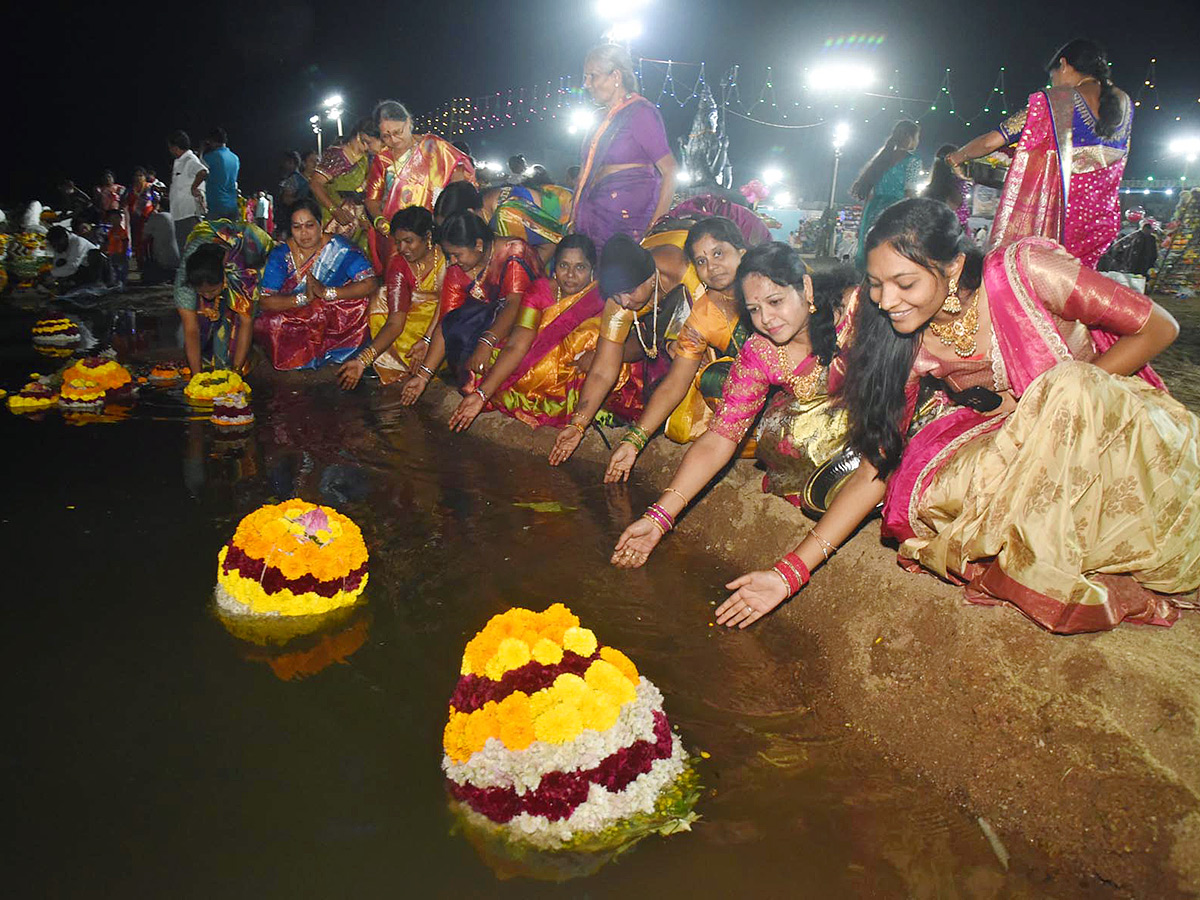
(1048, 480)
(627, 177)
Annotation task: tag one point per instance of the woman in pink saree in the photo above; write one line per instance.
(411, 170)
(1072, 143)
(1048, 479)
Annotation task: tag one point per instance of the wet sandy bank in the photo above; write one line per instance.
(1084, 748)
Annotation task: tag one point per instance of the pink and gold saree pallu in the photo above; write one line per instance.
(1063, 181)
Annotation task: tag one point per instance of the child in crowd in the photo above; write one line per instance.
(116, 244)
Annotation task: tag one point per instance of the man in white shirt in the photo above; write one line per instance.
(262, 209)
(77, 261)
(187, 186)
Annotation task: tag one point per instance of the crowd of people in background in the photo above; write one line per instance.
(949, 373)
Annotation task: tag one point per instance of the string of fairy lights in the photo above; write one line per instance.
(672, 82)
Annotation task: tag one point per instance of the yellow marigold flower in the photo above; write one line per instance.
(481, 725)
(569, 688)
(547, 652)
(558, 725)
(453, 736)
(511, 654)
(608, 679)
(579, 640)
(599, 711)
(621, 661)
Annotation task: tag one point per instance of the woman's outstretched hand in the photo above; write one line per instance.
(413, 389)
(754, 595)
(564, 445)
(350, 372)
(635, 544)
(468, 408)
(621, 462)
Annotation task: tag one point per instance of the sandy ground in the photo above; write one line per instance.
(1084, 748)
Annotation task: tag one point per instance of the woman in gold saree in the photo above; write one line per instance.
(1052, 481)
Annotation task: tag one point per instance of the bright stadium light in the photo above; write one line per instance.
(492, 166)
(841, 77)
(683, 177)
(1188, 147)
(580, 119)
(625, 31)
(616, 10)
(772, 175)
(841, 134)
(333, 100)
(314, 119)
(783, 198)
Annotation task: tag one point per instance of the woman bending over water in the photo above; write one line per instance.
(799, 321)
(1052, 482)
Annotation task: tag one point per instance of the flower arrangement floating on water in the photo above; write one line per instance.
(291, 559)
(107, 373)
(59, 332)
(81, 393)
(165, 374)
(555, 743)
(205, 387)
(34, 397)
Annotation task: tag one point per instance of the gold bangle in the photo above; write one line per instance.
(822, 543)
(672, 490)
(657, 524)
(581, 428)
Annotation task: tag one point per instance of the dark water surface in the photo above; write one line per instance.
(149, 753)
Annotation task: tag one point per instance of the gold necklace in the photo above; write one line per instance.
(651, 351)
(803, 387)
(960, 335)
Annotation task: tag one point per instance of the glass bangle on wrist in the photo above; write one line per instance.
(482, 395)
(426, 371)
(331, 293)
(426, 339)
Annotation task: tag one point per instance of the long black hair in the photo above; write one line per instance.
(463, 229)
(879, 359)
(886, 157)
(1089, 58)
(944, 185)
(457, 196)
(782, 264)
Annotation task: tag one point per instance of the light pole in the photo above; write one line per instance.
(841, 133)
(315, 122)
(334, 110)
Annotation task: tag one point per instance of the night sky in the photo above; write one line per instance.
(110, 81)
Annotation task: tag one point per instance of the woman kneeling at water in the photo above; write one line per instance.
(538, 376)
(1052, 482)
(640, 287)
(799, 320)
(486, 280)
(315, 288)
(403, 316)
(715, 246)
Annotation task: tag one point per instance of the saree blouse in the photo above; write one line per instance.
(1076, 299)
(512, 269)
(707, 326)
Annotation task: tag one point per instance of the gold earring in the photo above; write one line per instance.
(952, 304)
(812, 308)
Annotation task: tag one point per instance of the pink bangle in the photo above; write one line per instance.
(793, 571)
(660, 517)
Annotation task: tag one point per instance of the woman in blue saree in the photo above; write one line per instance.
(315, 291)
(890, 176)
